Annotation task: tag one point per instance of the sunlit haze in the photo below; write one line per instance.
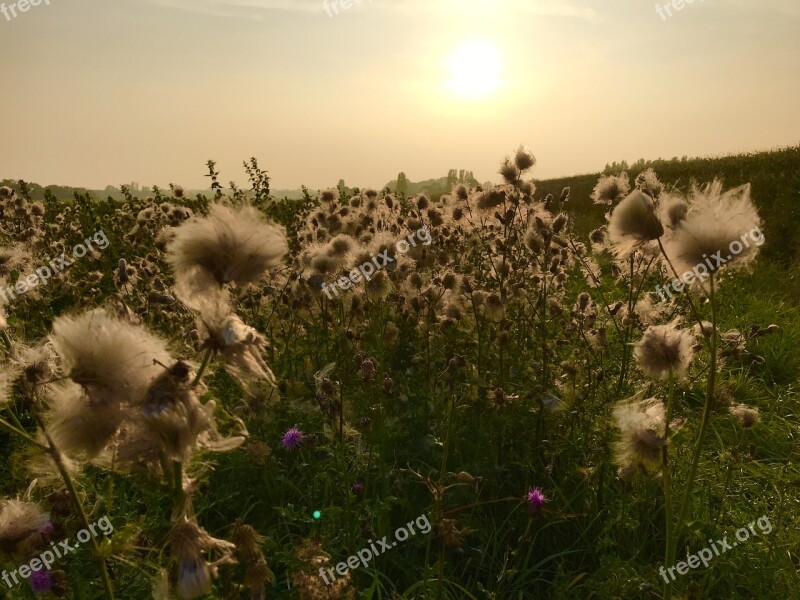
(475, 69)
(98, 93)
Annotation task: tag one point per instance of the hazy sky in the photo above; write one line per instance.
(98, 92)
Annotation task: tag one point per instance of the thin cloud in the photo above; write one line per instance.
(239, 9)
(255, 9)
(540, 8)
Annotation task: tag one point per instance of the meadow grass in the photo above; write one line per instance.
(440, 440)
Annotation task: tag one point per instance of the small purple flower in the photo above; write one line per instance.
(41, 581)
(536, 498)
(292, 438)
(358, 489)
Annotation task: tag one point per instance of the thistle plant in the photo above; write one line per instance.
(713, 222)
(686, 233)
(508, 373)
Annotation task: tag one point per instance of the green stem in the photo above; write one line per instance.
(707, 409)
(162, 458)
(478, 330)
(203, 365)
(669, 558)
(452, 511)
(543, 332)
(688, 295)
(439, 494)
(62, 469)
(530, 540)
(341, 413)
(5, 339)
(14, 418)
(5, 424)
(180, 496)
(628, 331)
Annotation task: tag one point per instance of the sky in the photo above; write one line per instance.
(99, 92)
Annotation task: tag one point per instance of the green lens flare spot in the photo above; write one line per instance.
(317, 514)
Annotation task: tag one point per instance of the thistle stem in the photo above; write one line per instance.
(628, 331)
(669, 558)
(688, 296)
(62, 469)
(707, 409)
(6, 425)
(452, 511)
(180, 495)
(442, 470)
(15, 420)
(203, 365)
(5, 339)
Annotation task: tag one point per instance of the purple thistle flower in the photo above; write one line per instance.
(292, 438)
(41, 581)
(536, 498)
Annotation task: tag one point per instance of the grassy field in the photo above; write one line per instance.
(466, 375)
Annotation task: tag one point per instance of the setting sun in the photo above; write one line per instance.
(475, 68)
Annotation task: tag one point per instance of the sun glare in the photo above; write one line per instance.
(475, 68)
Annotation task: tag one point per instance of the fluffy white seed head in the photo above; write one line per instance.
(633, 223)
(611, 189)
(717, 225)
(230, 245)
(641, 425)
(664, 349)
(111, 359)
